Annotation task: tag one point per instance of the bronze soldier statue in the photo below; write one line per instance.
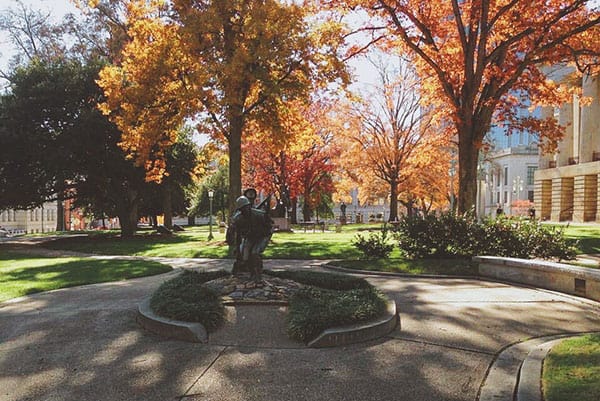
(249, 233)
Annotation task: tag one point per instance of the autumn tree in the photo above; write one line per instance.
(214, 175)
(427, 187)
(221, 62)
(392, 132)
(297, 162)
(482, 60)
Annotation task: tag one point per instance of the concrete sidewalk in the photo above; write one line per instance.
(84, 344)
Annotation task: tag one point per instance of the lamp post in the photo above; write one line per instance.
(211, 194)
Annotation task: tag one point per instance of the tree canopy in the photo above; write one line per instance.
(221, 62)
(484, 59)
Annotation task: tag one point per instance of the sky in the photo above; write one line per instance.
(58, 8)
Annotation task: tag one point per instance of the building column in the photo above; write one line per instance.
(585, 188)
(565, 155)
(597, 199)
(542, 195)
(590, 120)
(562, 199)
(547, 160)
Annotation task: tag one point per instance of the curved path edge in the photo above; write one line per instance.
(332, 337)
(170, 328)
(360, 332)
(516, 372)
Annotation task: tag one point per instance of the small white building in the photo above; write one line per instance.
(32, 221)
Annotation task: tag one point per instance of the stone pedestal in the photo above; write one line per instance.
(584, 198)
(543, 198)
(562, 198)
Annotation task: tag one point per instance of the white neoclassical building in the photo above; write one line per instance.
(506, 178)
(566, 184)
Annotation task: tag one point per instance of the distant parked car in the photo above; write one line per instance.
(4, 233)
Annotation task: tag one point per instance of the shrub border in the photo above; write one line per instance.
(331, 337)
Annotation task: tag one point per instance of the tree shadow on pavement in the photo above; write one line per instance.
(84, 344)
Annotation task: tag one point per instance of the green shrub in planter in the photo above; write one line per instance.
(331, 281)
(438, 236)
(183, 298)
(313, 310)
(376, 246)
(452, 235)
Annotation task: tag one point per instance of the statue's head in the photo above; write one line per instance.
(243, 205)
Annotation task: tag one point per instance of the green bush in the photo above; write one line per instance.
(376, 246)
(313, 310)
(184, 298)
(452, 235)
(438, 236)
(331, 281)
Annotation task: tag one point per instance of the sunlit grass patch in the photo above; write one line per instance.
(572, 370)
(23, 274)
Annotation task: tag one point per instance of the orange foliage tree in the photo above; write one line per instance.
(223, 63)
(392, 136)
(428, 186)
(485, 59)
(298, 162)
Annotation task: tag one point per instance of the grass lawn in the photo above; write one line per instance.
(193, 243)
(588, 237)
(22, 274)
(572, 370)
(463, 267)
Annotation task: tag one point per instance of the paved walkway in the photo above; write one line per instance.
(83, 344)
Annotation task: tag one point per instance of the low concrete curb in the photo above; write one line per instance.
(516, 373)
(501, 382)
(337, 336)
(185, 331)
(355, 333)
(529, 388)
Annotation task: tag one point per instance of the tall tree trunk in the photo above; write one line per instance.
(191, 220)
(393, 201)
(128, 213)
(235, 161)
(128, 217)
(294, 210)
(167, 203)
(60, 212)
(306, 210)
(468, 153)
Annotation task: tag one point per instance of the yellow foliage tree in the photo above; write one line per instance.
(392, 138)
(222, 63)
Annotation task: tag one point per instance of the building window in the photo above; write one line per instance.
(505, 175)
(531, 174)
(530, 196)
(498, 197)
(505, 196)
